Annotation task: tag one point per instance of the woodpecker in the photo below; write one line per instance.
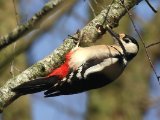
(85, 68)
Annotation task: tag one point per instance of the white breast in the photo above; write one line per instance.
(80, 55)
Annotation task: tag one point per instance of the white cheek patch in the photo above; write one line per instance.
(132, 48)
(101, 66)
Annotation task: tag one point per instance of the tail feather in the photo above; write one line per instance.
(53, 94)
(36, 85)
(50, 90)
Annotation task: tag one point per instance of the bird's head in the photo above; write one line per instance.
(130, 44)
(127, 43)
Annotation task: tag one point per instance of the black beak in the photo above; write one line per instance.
(116, 38)
(114, 34)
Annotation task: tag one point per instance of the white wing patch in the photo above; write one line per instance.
(79, 73)
(70, 77)
(64, 79)
(101, 66)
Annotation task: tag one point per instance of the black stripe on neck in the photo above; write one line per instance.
(130, 56)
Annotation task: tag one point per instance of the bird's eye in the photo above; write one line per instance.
(126, 40)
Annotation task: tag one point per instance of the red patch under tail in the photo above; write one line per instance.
(63, 70)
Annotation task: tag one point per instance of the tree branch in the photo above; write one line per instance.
(43, 67)
(27, 27)
(44, 28)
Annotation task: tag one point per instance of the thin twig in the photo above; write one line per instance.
(143, 43)
(150, 45)
(96, 1)
(16, 13)
(152, 8)
(14, 46)
(108, 29)
(106, 20)
(91, 7)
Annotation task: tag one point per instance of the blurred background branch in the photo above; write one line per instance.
(31, 24)
(44, 27)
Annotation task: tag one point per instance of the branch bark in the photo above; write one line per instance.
(43, 67)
